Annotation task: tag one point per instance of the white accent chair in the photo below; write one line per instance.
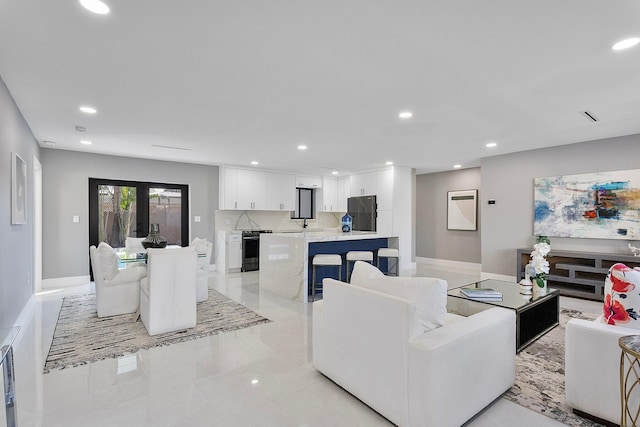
(202, 247)
(133, 245)
(168, 293)
(117, 291)
(592, 368)
(374, 345)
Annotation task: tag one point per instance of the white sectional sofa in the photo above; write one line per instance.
(407, 358)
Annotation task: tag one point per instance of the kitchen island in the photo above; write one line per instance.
(285, 258)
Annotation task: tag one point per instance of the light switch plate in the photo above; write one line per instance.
(76, 218)
(196, 219)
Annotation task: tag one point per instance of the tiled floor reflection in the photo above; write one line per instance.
(260, 376)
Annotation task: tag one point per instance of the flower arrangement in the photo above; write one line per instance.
(539, 261)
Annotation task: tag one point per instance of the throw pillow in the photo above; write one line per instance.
(622, 296)
(428, 294)
(108, 261)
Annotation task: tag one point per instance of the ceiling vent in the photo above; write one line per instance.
(81, 128)
(49, 144)
(590, 116)
(171, 148)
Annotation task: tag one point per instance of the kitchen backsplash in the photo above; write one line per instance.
(227, 220)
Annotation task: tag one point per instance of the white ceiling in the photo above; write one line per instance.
(242, 80)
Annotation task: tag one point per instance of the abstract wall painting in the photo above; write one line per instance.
(462, 207)
(18, 190)
(603, 205)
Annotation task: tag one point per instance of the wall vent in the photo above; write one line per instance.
(590, 116)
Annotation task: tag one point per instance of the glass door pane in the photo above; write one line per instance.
(165, 209)
(116, 214)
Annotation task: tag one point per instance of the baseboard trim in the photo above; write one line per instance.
(594, 418)
(24, 317)
(462, 267)
(65, 282)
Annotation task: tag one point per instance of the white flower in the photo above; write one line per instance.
(538, 258)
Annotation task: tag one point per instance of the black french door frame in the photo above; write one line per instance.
(142, 206)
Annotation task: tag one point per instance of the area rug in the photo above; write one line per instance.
(540, 375)
(81, 337)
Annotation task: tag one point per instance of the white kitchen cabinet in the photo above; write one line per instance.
(244, 189)
(384, 194)
(344, 191)
(384, 222)
(329, 195)
(281, 194)
(364, 184)
(304, 181)
(234, 251)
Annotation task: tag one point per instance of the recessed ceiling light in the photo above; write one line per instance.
(457, 166)
(85, 142)
(334, 173)
(88, 110)
(49, 143)
(302, 147)
(626, 43)
(405, 115)
(491, 144)
(255, 381)
(95, 6)
(388, 163)
(254, 162)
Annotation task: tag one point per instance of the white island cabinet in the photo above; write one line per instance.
(285, 258)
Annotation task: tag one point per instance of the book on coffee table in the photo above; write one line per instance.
(483, 294)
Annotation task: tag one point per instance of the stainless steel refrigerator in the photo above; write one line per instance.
(363, 210)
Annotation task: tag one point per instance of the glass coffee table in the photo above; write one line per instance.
(535, 315)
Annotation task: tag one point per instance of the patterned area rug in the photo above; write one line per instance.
(81, 337)
(540, 375)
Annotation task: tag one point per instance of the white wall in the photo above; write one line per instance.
(16, 241)
(66, 193)
(508, 179)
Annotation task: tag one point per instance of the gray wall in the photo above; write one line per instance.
(16, 241)
(66, 176)
(433, 240)
(508, 179)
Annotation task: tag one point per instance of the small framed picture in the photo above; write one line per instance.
(462, 210)
(18, 190)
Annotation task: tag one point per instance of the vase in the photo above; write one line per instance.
(539, 291)
(154, 239)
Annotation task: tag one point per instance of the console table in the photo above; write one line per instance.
(7, 337)
(575, 273)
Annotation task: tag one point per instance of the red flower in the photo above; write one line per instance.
(614, 311)
(620, 285)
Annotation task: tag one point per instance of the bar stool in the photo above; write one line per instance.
(390, 253)
(353, 256)
(322, 260)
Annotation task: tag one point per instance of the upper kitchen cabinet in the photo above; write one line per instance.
(385, 189)
(344, 190)
(364, 184)
(329, 195)
(303, 181)
(243, 189)
(281, 191)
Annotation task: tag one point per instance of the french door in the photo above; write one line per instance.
(121, 209)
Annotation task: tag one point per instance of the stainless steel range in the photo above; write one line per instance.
(251, 249)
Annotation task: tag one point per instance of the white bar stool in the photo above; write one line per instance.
(390, 253)
(321, 260)
(353, 256)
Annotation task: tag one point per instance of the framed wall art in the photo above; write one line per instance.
(603, 205)
(18, 190)
(462, 210)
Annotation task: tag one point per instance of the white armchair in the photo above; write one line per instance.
(117, 291)
(202, 247)
(168, 293)
(372, 342)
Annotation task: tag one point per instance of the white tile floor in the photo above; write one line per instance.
(261, 376)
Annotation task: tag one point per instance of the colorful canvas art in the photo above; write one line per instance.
(604, 205)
